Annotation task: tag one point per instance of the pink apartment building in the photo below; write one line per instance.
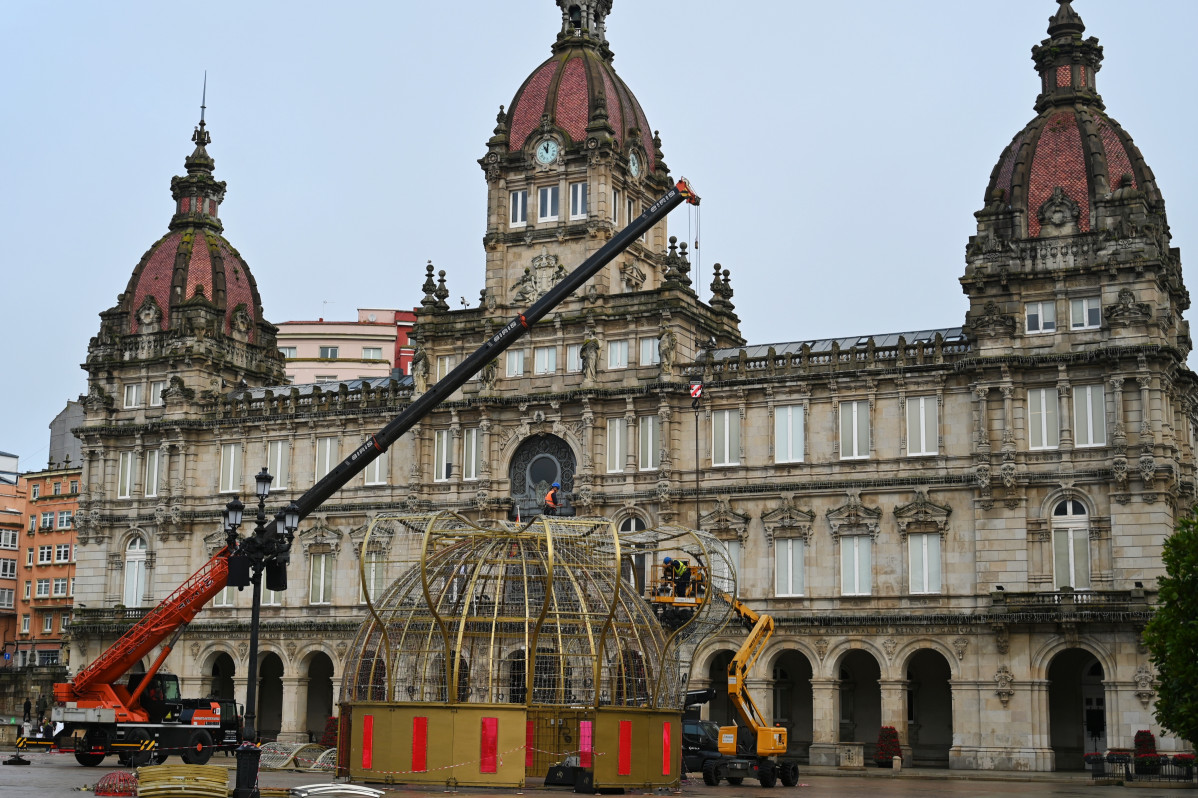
(336, 351)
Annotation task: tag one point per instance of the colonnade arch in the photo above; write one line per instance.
(1076, 707)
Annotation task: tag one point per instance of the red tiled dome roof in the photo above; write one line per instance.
(1072, 144)
(568, 90)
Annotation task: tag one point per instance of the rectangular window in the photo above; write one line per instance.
(74, 486)
(66, 518)
(48, 520)
(1085, 314)
(1041, 317)
(57, 489)
(372, 584)
(519, 208)
(630, 208)
(133, 395)
(62, 552)
(515, 362)
(372, 353)
(442, 455)
(735, 551)
(855, 567)
(854, 430)
(59, 586)
(7, 597)
(288, 351)
(29, 557)
(8, 539)
(35, 491)
(788, 567)
(544, 360)
(45, 555)
(650, 442)
(320, 583)
(445, 365)
(25, 625)
(725, 437)
(617, 354)
(124, 477)
(151, 480)
(547, 205)
(574, 358)
(47, 623)
(924, 550)
(1043, 429)
(325, 378)
(615, 207)
(578, 200)
(615, 445)
(225, 597)
(272, 598)
(326, 456)
(471, 451)
(42, 588)
(650, 352)
(788, 434)
(1089, 415)
(278, 463)
(922, 425)
(330, 352)
(28, 589)
(376, 470)
(230, 467)
(156, 389)
(8, 569)
(1071, 558)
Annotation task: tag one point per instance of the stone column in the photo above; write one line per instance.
(630, 433)
(239, 685)
(295, 710)
(825, 724)
(981, 420)
(894, 711)
(1064, 408)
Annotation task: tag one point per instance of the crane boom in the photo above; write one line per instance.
(94, 682)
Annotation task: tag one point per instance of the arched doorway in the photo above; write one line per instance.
(320, 693)
(719, 708)
(793, 701)
(270, 697)
(1076, 707)
(860, 700)
(220, 685)
(537, 463)
(929, 708)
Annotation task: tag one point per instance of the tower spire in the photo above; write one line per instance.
(1067, 63)
(202, 137)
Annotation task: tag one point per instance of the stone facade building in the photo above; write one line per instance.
(957, 530)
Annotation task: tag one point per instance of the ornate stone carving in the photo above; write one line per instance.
(959, 646)
(320, 533)
(546, 271)
(890, 645)
(243, 649)
(787, 521)
(1058, 215)
(1004, 680)
(922, 511)
(290, 647)
(853, 515)
(149, 315)
(1147, 469)
(821, 648)
(982, 473)
(1007, 472)
(1127, 311)
(1002, 638)
(1144, 689)
(725, 522)
(195, 650)
(380, 538)
(341, 648)
(1119, 470)
(632, 277)
(992, 323)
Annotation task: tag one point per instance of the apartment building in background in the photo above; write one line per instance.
(337, 351)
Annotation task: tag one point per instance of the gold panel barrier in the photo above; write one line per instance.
(637, 747)
(475, 745)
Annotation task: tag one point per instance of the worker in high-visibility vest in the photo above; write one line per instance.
(680, 572)
(553, 499)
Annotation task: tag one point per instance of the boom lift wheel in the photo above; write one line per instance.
(735, 781)
(766, 774)
(789, 773)
(711, 773)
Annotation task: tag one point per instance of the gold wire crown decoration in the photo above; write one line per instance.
(472, 600)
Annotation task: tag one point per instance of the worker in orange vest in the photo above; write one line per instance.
(551, 499)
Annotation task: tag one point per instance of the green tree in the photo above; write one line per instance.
(1172, 634)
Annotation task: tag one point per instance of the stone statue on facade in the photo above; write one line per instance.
(590, 359)
(420, 369)
(667, 345)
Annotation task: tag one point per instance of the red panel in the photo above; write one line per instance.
(585, 743)
(199, 270)
(624, 764)
(530, 739)
(1117, 162)
(1063, 77)
(1059, 161)
(615, 114)
(155, 280)
(489, 749)
(665, 749)
(419, 745)
(527, 113)
(367, 741)
(573, 100)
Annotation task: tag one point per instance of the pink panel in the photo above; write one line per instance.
(530, 739)
(489, 746)
(527, 113)
(1063, 77)
(615, 114)
(155, 279)
(666, 756)
(237, 288)
(367, 742)
(585, 744)
(573, 100)
(1059, 161)
(199, 270)
(1117, 162)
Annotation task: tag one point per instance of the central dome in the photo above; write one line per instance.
(578, 87)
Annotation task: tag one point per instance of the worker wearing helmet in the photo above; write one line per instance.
(553, 499)
(680, 572)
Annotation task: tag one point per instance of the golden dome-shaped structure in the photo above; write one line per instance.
(455, 632)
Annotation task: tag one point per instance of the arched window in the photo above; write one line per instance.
(135, 571)
(1071, 545)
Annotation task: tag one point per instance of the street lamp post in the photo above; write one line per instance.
(269, 550)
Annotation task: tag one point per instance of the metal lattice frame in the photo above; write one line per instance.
(472, 601)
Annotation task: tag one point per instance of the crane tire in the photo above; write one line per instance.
(88, 760)
(199, 748)
(141, 757)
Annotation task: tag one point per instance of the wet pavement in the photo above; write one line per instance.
(59, 776)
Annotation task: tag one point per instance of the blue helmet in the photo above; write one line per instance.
(668, 560)
(557, 484)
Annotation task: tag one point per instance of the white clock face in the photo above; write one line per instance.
(634, 164)
(547, 151)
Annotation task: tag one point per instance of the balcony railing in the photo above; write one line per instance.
(109, 615)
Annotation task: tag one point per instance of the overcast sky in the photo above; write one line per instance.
(840, 148)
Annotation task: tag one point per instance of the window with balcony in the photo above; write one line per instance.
(135, 571)
(1071, 545)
